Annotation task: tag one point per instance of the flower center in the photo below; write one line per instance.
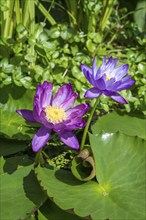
(55, 115)
(107, 78)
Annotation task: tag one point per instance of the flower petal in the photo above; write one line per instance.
(119, 99)
(77, 111)
(59, 126)
(100, 69)
(27, 115)
(37, 106)
(69, 102)
(94, 68)
(47, 94)
(69, 139)
(126, 83)
(112, 85)
(88, 74)
(43, 95)
(75, 123)
(40, 138)
(38, 113)
(92, 93)
(120, 71)
(100, 84)
(64, 92)
(115, 96)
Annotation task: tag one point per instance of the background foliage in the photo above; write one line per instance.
(48, 40)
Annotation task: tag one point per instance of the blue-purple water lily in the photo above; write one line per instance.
(55, 113)
(108, 79)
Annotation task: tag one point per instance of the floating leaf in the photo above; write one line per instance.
(126, 124)
(20, 194)
(8, 147)
(120, 190)
(11, 164)
(12, 125)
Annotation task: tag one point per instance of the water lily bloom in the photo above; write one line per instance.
(108, 79)
(55, 114)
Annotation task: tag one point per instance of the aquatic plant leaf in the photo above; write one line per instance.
(118, 193)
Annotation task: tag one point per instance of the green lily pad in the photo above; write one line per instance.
(20, 194)
(11, 164)
(49, 210)
(120, 171)
(13, 126)
(126, 124)
(8, 147)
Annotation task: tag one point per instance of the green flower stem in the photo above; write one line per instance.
(45, 155)
(38, 156)
(87, 125)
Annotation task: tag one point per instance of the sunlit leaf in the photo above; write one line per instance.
(120, 190)
(126, 124)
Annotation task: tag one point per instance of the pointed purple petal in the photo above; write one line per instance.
(38, 113)
(93, 93)
(109, 62)
(69, 139)
(63, 93)
(94, 68)
(88, 74)
(69, 102)
(112, 85)
(27, 115)
(40, 139)
(43, 96)
(126, 83)
(115, 96)
(75, 123)
(120, 71)
(119, 98)
(78, 111)
(100, 70)
(47, 94)
(59, 126)
(100, 84)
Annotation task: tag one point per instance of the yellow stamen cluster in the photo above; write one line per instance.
(107, 78)
(54, 114)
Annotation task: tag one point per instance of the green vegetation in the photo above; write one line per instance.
(48, 40)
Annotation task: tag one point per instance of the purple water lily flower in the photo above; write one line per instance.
(55, 114)
(108, 79)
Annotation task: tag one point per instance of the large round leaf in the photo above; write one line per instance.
(120, 190)
(126, 124)
(12, 124)
(20, 193)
